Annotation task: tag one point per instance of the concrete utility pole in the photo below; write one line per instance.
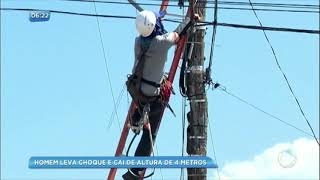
(198, 115)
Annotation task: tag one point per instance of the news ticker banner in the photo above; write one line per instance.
(63, 162)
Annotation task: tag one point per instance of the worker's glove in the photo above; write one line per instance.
(196, 17)
(186, 24)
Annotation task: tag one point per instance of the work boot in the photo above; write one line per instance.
(129, 176)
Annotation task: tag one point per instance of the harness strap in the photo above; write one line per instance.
(141, 60)
(154, 84)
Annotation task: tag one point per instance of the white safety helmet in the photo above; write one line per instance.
(145, 22)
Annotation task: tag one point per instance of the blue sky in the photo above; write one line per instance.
(56, 99)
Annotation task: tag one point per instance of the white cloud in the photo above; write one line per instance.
(297, 160)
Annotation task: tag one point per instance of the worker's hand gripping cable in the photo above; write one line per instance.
(186, 24)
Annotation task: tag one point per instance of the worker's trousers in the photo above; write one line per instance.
(144, 148)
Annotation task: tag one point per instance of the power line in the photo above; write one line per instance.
(265, 28)
(273, 10)
(285, 77)
(214, 151)
(214, 31)
(70, 13)
(78, 14)
(223, 89)
(117, 106)
(169, 20)
(263, 4)
(183, 114)
(311, 8)
(106, 66)
(157, 154)
(208, 70)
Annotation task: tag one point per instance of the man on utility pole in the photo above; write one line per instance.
(198, 115)
(147, 85)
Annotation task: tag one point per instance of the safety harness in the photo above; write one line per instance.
(134, 80)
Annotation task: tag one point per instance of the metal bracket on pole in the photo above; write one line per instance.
(190, 51)
(196, 137)
(200, 26)
(195, 69)
(193, 42)
(197, 100)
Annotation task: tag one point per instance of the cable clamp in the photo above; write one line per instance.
(190, 50)
(197, 100)
(195, 42)
(196, 137)
(200, 26)
(195, 69)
